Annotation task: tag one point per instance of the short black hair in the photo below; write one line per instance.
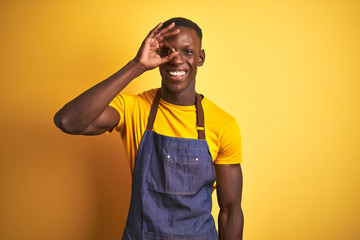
(183, 22)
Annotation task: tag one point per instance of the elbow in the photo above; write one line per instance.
(66, 124)
(231, 208)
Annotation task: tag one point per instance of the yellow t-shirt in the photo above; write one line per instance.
(221, 129)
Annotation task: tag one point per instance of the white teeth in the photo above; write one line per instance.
(177, 73)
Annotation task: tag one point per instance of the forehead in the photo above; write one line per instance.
(186, 36)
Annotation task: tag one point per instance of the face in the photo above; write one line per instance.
(178, 75)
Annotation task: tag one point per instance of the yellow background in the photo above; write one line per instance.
(287, 70)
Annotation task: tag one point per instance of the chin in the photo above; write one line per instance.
(178, 88)
(173, 88)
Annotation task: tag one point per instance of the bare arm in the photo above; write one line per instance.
(89, 113)
(229, 190)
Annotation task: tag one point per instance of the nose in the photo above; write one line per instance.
(177, 59)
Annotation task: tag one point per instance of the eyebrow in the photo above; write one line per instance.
(188, 45)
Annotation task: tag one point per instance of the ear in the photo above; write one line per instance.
(201, 58)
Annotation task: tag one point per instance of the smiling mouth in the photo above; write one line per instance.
(177, 74)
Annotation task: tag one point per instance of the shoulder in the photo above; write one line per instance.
(145, 97)
(214, 113)
(220, 122)
(127, 103)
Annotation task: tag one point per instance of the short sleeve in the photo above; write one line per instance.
(122, 103)
(230, 144)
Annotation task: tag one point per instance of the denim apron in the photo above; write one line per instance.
(171, 185)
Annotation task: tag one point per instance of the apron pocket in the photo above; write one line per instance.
(173, 172)
(181, 177)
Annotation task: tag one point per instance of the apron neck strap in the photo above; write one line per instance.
(153, 111)
(200, 122)
(199, 114)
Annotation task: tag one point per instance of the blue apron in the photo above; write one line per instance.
(171, 186)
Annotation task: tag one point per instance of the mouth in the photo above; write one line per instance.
(176, 74)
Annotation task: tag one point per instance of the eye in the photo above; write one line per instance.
(189, 51)
(164, 52)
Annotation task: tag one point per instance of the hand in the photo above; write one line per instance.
(148, 55)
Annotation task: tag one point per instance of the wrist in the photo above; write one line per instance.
(138, 66)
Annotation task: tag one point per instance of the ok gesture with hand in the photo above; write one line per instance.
(148, 54)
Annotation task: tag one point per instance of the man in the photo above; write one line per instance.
(173, 137)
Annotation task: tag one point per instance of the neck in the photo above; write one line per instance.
(185, 98)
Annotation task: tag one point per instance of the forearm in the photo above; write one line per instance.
(88, 113)
(77, 114)
(231, 223)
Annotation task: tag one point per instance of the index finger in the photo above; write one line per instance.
(165, 30)
(155, 30)
(168, 35)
